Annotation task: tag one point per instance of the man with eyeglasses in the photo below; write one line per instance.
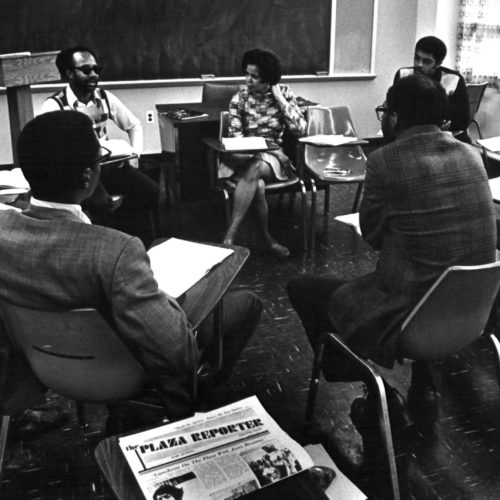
(426, 206)
(430, 52)
(79, 68)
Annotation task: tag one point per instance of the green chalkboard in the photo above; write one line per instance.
(157, 39)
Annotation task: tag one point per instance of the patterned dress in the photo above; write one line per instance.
(258, 115)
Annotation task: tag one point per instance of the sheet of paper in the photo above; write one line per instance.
(328, 139)
(118, 147)
(14, 178)
(492, 144)
(240, 143)
(351, 219)
(495, 188)
(178, 264)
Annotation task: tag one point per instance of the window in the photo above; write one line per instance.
(478, 43)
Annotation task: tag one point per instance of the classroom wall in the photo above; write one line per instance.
(396, 33)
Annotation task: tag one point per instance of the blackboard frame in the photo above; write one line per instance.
(327, 70)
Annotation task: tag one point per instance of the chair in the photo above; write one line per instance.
(452, 314)
(314, 159)
(219, 94)
(290, 185)
(476, 92)
(75, 353)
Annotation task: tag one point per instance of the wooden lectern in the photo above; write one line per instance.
(17, 72)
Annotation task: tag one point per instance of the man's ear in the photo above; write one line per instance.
(393, 119)
(87, 177)
(69, 74)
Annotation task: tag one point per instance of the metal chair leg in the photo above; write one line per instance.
(303, 208)
(81, 415)
(386, 434)
(314, 383)
(496, 349)
(312, 228)
(357, 198)
(4, 431)
(327, 200)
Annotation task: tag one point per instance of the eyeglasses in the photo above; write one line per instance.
(87, 69)
(105, 155)
(380, 110)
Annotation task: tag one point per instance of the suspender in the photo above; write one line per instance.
(100, 126)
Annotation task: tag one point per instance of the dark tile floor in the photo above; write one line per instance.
(459, 459)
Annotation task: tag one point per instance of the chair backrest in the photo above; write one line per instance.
(219, 93)
(319, 121)
(76, 353)
(452, 314)
(476, 92)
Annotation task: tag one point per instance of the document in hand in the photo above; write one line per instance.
(118, 147)
(328, 139)
(222, 454)
(491, 144)
(244, 143)
(178, 264)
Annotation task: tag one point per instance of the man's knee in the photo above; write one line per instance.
(241, 306)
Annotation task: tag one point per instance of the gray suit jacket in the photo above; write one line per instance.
(427, 205)
(51, 260)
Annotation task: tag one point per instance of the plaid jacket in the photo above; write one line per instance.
(427, 205)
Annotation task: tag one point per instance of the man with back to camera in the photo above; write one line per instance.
(76, 264)
(78, 67)
(430, 52)
(426, 206)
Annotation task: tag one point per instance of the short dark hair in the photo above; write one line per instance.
(169, 489)
(418, 100)
(432, 45)
(64, 59)
(54, 149)
(268, 63)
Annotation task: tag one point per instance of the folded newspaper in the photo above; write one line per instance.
(219, 455)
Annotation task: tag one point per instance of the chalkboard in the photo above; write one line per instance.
(168, 39)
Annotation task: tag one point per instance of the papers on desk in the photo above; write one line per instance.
(491, 144)
(328, 139)
(221, 454)
(244, 143)
(13, 179)
(351, 219)
(179, 264)
(118, 147)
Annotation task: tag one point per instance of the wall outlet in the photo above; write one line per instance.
(150, 117)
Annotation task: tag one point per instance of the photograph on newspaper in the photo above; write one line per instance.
(219, 455)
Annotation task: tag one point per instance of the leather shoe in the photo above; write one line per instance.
(423, 403)
(323, 476)
(35, 421)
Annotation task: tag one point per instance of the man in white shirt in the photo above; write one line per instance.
(78, 67)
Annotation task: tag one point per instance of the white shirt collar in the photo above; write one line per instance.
(73, 208)
(73, 100)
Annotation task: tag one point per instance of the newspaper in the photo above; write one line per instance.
(218, 455)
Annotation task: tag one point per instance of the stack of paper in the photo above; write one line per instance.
(244, 143)
(492, 144)
(178, 264)
(328, 140)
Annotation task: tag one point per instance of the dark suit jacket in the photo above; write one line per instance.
(427, 205)
(51, 260)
